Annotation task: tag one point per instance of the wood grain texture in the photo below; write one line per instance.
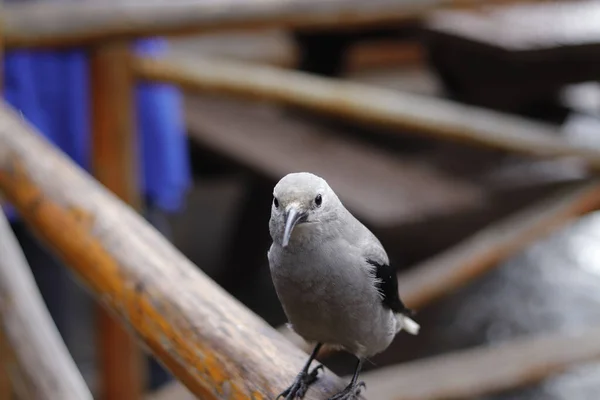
(485, 370)
(42, 358)
(207, 339)
(79, 23)
(436, 118)
(114, 164)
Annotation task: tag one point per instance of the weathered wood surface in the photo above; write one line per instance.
(372, 182)
(43, 362)
(433, 117)
(426, 282)
(471, 373)
(477, 372)
(445, 272)
(115, 165)
(515, 57)
(79, 23)
(524, 27)
(207, 339)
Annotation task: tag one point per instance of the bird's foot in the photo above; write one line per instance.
(298, 389)
(351, 392)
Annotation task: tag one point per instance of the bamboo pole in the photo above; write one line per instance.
(42, 359)
(81, 23)
(114, 164)
(208, 340)
(436, 118)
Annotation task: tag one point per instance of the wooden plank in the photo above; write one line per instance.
(371, 182)
(79, 23)
(524, 27)
(432, 117)
(451, 269)
(43, 360)
(515, 57)
(207, 339)
(114, 162)
(485, 370)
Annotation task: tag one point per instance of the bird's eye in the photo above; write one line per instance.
(318, 200)
(275, 202)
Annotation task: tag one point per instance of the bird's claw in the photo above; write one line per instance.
(298, 389)
(351, 392)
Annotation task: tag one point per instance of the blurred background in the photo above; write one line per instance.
(456, 103)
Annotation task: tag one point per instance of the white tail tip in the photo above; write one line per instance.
(408, 325)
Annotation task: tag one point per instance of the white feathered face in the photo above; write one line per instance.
(302, 204)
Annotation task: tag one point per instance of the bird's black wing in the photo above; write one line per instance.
(387, 284)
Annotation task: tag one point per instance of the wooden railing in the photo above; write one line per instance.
(77, 24)
(148, 290)
(212, 343)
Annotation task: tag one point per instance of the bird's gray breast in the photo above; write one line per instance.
(328, 296)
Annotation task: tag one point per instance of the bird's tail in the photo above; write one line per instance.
(407, 324)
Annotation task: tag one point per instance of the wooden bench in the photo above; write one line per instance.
(515, 57)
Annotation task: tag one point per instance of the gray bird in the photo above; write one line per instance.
(333, 278)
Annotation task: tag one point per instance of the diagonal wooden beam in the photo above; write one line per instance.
(485, 370)
(486, 249)
(76, 24)
(208, 340)
(432, 117)
(43, 364)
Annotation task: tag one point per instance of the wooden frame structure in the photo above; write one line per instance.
(210, 342)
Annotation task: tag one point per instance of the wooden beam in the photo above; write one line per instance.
(485, 370)
(450, 270)
(42, 358)
(207, 339)
(426, 282)
(375, 191)
(436, 118)
(114, 163)
(76, 24)
(6, 391)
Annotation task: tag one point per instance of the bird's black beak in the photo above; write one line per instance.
(292, 217)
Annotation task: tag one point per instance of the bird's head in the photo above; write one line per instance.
(303, 204)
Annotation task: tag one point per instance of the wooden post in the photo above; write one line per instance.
(40, 361)
(213, 344)
(114, 164)
(5, 385)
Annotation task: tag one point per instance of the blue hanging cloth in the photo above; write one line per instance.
(52, 91)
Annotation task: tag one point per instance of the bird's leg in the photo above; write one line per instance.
(353, 389)
(304, 379)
